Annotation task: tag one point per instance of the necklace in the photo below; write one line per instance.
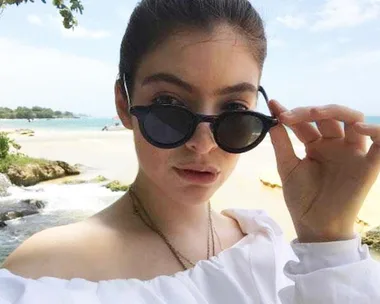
(182, 260)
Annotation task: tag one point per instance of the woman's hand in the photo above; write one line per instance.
(325, 191)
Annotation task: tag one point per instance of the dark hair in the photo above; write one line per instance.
(153, 21)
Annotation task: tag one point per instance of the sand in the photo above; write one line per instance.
(112, 155)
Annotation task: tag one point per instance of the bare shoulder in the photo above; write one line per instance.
(56, 252)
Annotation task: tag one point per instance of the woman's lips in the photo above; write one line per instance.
(197, 177)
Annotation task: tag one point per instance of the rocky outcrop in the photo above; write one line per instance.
(116, 186)
(11, 215)
(20, 209)
(96, 180)
(271, 185)
(34, 173)
(4, 185)
(372, 239)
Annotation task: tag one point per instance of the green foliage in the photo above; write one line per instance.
(4, 145)
(116, 186)
(19, 160)
(23, 112)
(35, 112)
(8, 159)
(66, 10)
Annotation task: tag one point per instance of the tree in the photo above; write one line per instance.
(66, 11)
(24, 113)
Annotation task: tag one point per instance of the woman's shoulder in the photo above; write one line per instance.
(253, 220)
(54, 252)
(87, 249)
(230, 267)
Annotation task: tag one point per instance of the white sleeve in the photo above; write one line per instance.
(332, 273)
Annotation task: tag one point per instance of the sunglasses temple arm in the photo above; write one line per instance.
(127, 92)
(261, 89)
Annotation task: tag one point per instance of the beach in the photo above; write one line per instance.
(112, 155)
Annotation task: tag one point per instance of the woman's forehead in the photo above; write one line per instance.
(222, 57)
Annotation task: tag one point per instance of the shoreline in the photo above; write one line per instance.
(112, 155)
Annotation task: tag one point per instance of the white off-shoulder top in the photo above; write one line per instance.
(260, 268)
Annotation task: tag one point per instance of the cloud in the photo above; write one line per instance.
(359, 60)
(276, 42)
(35, 20)
(346, 13)
(52, 78)
(344, 40)
(292, 22)
(79, 32)
(82, 32)
(124, 13)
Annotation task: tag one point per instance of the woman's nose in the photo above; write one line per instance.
(202, 140)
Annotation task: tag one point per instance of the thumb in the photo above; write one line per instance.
(286, 158)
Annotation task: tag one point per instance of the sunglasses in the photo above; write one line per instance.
(170, 126)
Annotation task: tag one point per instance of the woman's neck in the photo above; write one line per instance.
(171, 216)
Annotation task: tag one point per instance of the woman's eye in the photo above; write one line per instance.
(167, 99)
(233, 106)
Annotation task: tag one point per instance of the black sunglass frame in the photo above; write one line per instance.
(141, 112)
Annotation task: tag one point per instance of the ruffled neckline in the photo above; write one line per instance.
(250, 221)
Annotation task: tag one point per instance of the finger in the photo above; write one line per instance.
(330, 128)
(352, 136)
(311, 114)
(304, 131)
(337, 112)
(373, 131)
(284, 151)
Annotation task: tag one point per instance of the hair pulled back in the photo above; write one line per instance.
(153, 21)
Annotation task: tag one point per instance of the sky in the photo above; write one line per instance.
(319, 52)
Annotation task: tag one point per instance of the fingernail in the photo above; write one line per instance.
(322, 110)
(363, 125)
(287, 114)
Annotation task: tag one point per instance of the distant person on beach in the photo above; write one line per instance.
(189, 81)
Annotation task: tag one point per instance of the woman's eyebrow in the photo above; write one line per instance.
(175, 80)
(169, 78)
(238, 88)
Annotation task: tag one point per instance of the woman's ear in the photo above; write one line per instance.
(121, 103)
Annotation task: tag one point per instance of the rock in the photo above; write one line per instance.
(372, 239)
(35, 204)
(11, 215)
(2, 225)
(69, 170)
(116, 186)
(361, 226)
(32, 174)
(4, 185)
(99, 179)
(74, 182)
(11, 211)
(25, 132)
(269, 184)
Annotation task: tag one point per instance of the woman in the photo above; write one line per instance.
(189, 81)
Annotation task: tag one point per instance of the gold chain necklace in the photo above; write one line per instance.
(180, 257)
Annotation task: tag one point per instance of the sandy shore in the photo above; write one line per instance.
(112, 154)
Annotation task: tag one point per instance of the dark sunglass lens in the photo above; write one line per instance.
(167, 125)
(239, 130)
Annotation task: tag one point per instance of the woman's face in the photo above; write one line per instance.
(201, 67)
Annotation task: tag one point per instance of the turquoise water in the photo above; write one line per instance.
(86, 124)
(81, 124)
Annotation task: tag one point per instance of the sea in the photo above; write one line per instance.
(79, 124)
(86, 124)
(65, 204)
